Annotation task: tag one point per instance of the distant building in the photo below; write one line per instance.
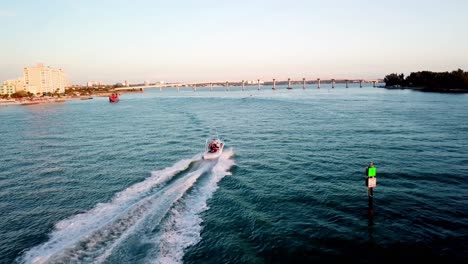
(41, 79)
(12, 86)
(7, 88)
(126, 83)
(146, 83)
(94, 83)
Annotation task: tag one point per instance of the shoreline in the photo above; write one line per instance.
(40, 100)
(423, 89)
(62, 99)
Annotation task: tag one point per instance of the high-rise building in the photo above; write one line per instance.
(41, 79)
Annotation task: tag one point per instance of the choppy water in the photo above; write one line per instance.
(94, 182)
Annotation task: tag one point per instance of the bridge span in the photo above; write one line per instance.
(243, 83)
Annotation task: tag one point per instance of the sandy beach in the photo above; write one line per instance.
(41, 100)
(48, 100)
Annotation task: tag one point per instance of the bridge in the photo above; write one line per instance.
(243, 83)
(156, 85)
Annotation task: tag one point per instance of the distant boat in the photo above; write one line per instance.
(114, 98)
(30, 103)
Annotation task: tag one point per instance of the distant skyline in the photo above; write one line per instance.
(113, 41)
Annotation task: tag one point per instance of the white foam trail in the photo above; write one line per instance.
(159, 210)
(183, 228)
(70, 231)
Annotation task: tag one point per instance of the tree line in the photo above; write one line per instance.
(427, 80)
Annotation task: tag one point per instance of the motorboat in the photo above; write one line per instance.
(30, 103)
(213, 148)
(114, 98)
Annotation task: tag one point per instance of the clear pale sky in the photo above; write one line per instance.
(113, 40)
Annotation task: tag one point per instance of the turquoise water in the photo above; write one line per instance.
(94, 182)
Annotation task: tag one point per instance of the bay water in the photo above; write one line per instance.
(94, 182)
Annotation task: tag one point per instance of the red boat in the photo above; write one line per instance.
(114, 98)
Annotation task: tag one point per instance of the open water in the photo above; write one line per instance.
(95, 182)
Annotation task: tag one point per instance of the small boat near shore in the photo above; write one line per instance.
(30, 103)
(114, 98)
(213, 148)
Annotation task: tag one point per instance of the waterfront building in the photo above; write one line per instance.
(41, 79)
(12, 86)
(94, 83)
(7, 88)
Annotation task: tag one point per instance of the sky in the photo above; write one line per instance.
(194, 41)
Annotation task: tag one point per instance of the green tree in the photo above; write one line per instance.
(433, 81)
(394, 79)
(21, 94)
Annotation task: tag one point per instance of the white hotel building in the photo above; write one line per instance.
(41, 79)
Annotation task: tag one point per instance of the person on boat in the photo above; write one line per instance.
(210, 147)
(213, 146)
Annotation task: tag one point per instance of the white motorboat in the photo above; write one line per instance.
(213, 149)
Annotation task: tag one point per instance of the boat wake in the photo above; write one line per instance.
(152, 221)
